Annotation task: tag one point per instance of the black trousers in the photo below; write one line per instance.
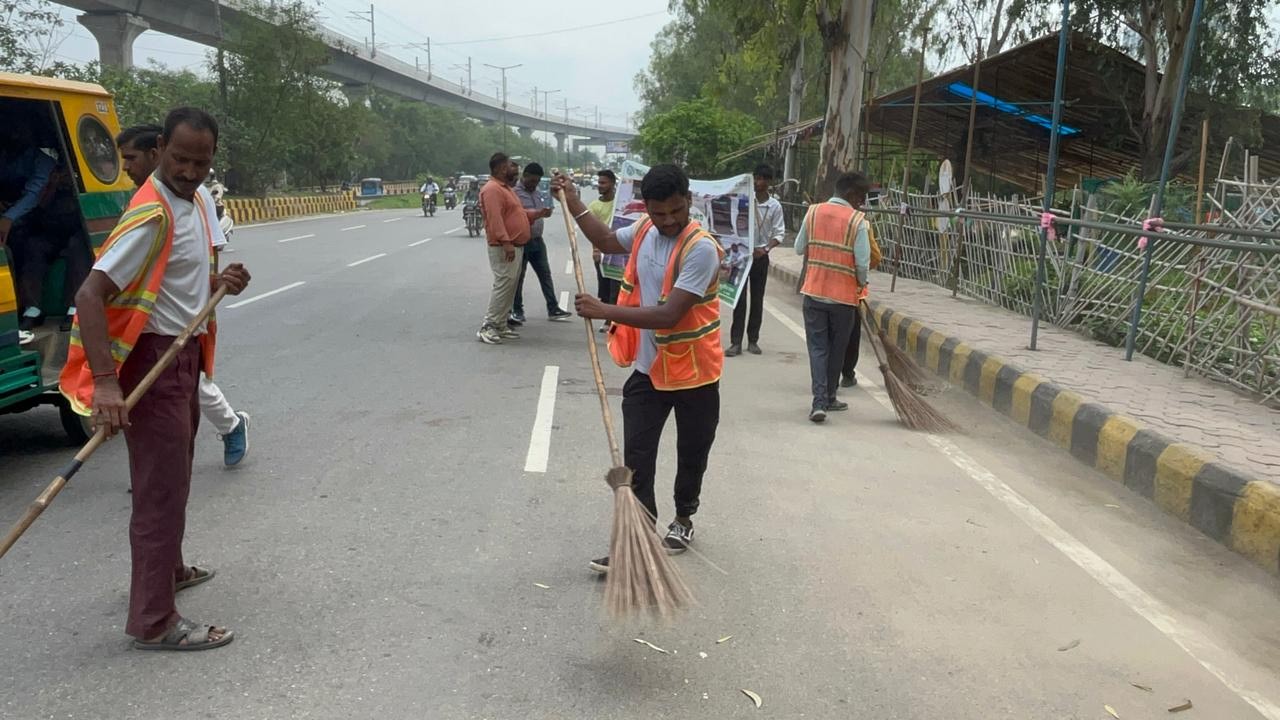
(535, 254)
(606, 288)
(754, 290)
(644, 414)
(855, 344)
(826, 331)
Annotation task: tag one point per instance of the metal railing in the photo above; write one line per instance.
(1212, 299)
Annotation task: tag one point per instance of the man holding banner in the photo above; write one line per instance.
(770, 229)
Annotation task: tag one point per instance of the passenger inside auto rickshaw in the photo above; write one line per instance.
(40, 218)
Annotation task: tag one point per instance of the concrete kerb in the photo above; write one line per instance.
(1228, 505)
(248, 211)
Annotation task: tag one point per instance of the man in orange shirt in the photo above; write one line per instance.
(506, 228)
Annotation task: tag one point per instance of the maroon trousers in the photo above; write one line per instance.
(161, 438)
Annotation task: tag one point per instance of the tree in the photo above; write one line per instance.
(28, 35)
(695, 133)
(1232, 60)
(845, 28)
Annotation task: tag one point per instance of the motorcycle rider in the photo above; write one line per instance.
(450, 195)
(429, 190)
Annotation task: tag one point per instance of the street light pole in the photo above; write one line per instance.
(546, 118)
(503, 69)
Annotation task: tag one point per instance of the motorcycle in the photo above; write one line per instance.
(474, 220)
(450, 198)
(226, 223)
(428, 204)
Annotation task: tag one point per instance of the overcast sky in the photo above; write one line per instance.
(590, 65)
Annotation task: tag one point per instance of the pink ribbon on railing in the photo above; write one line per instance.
(1046, 224)
(1154, 224)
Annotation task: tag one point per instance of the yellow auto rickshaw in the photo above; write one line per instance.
(61, 192)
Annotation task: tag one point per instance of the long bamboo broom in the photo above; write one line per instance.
(45, 498)
(912, 410)
(902, 364)
(642, 577)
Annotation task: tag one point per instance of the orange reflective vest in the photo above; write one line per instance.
(128, 311)
(689, 354)
(831, 273)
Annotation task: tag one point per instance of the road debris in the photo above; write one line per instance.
(724, 639)
(1143, 688)
(1070, 646)
(544, 587)
(754, 697)
(702, 655)
(655, 647)
(1111, 711)
(1179, 708)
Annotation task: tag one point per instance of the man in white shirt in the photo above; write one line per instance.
(153, 277)
(770, 229)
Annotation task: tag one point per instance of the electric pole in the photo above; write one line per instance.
(503, 69)
(373, 31)
(546, 118)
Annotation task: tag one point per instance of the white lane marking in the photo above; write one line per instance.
(371, 257)
(564, 299)
(393, 220)
(256, 298)
(540, 437)
(450, 232)
(568, 266)
(297, 237)
(1161, 616)
(353, 227)
(416, 244)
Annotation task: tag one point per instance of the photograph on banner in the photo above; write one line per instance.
(725, 208)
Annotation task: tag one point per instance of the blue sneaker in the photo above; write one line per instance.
(236, 443)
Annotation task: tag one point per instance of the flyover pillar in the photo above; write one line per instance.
(560, 138)
(526, 132)
(115, 33)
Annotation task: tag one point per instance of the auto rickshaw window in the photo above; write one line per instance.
(98, 149)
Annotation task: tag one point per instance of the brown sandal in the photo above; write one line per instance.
(187, 636)
(197, 576)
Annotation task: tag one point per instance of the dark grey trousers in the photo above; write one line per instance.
(827, 328)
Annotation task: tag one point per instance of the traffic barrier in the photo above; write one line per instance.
(246, 211)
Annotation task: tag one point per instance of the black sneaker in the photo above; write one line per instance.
(734, 350)
(516, 319)
(837, 406)
(600, 565)
(559, 315)
(678, 537)
(754, 349)
(848, 381)
(818, 415)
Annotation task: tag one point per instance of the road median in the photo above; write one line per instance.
(249, 211)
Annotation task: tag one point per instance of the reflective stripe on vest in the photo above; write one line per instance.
(831, 229)
(128, 312)
(689, 353)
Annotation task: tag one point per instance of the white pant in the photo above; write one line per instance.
(215, 408)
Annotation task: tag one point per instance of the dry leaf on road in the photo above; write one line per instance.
(1111, 711)
(1179, 708)
(1143, 688)
(1070, 646)
(754, 697)
(724, 639)
(544, 587)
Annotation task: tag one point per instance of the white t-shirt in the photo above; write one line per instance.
(185, 288)
(699, 268)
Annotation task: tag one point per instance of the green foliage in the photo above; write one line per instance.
(1131, 196)
(397, 202)
(694, 134)
(28, 35)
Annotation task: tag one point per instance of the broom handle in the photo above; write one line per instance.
(45, 498)
(614, 450)
(871, 333)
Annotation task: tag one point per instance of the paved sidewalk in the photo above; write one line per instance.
(1198, 449)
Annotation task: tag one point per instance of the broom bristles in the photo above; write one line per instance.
(642, 577)
(913, 411)
(902, 364)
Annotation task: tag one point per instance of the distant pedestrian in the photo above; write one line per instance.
(666, 325)
(506, 229)
(836, 242)
(602, 209)
(535, 251)
(770, 229)
(141, 154)
(154, 274)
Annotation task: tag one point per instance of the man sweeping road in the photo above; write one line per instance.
(835, 240)
(153, 277)
(666, 325)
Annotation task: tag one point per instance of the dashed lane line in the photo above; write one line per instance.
(540, 436)
(353, 227)
(416, 244)
(264, 295)
(394, 219)
(297, 237)
(365, 260)
(450, 232)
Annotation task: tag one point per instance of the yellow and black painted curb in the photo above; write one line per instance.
(246, 211)
(1228, 505)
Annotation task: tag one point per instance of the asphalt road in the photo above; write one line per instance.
(379, 554)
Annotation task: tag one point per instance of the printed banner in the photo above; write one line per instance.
(725, 208)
